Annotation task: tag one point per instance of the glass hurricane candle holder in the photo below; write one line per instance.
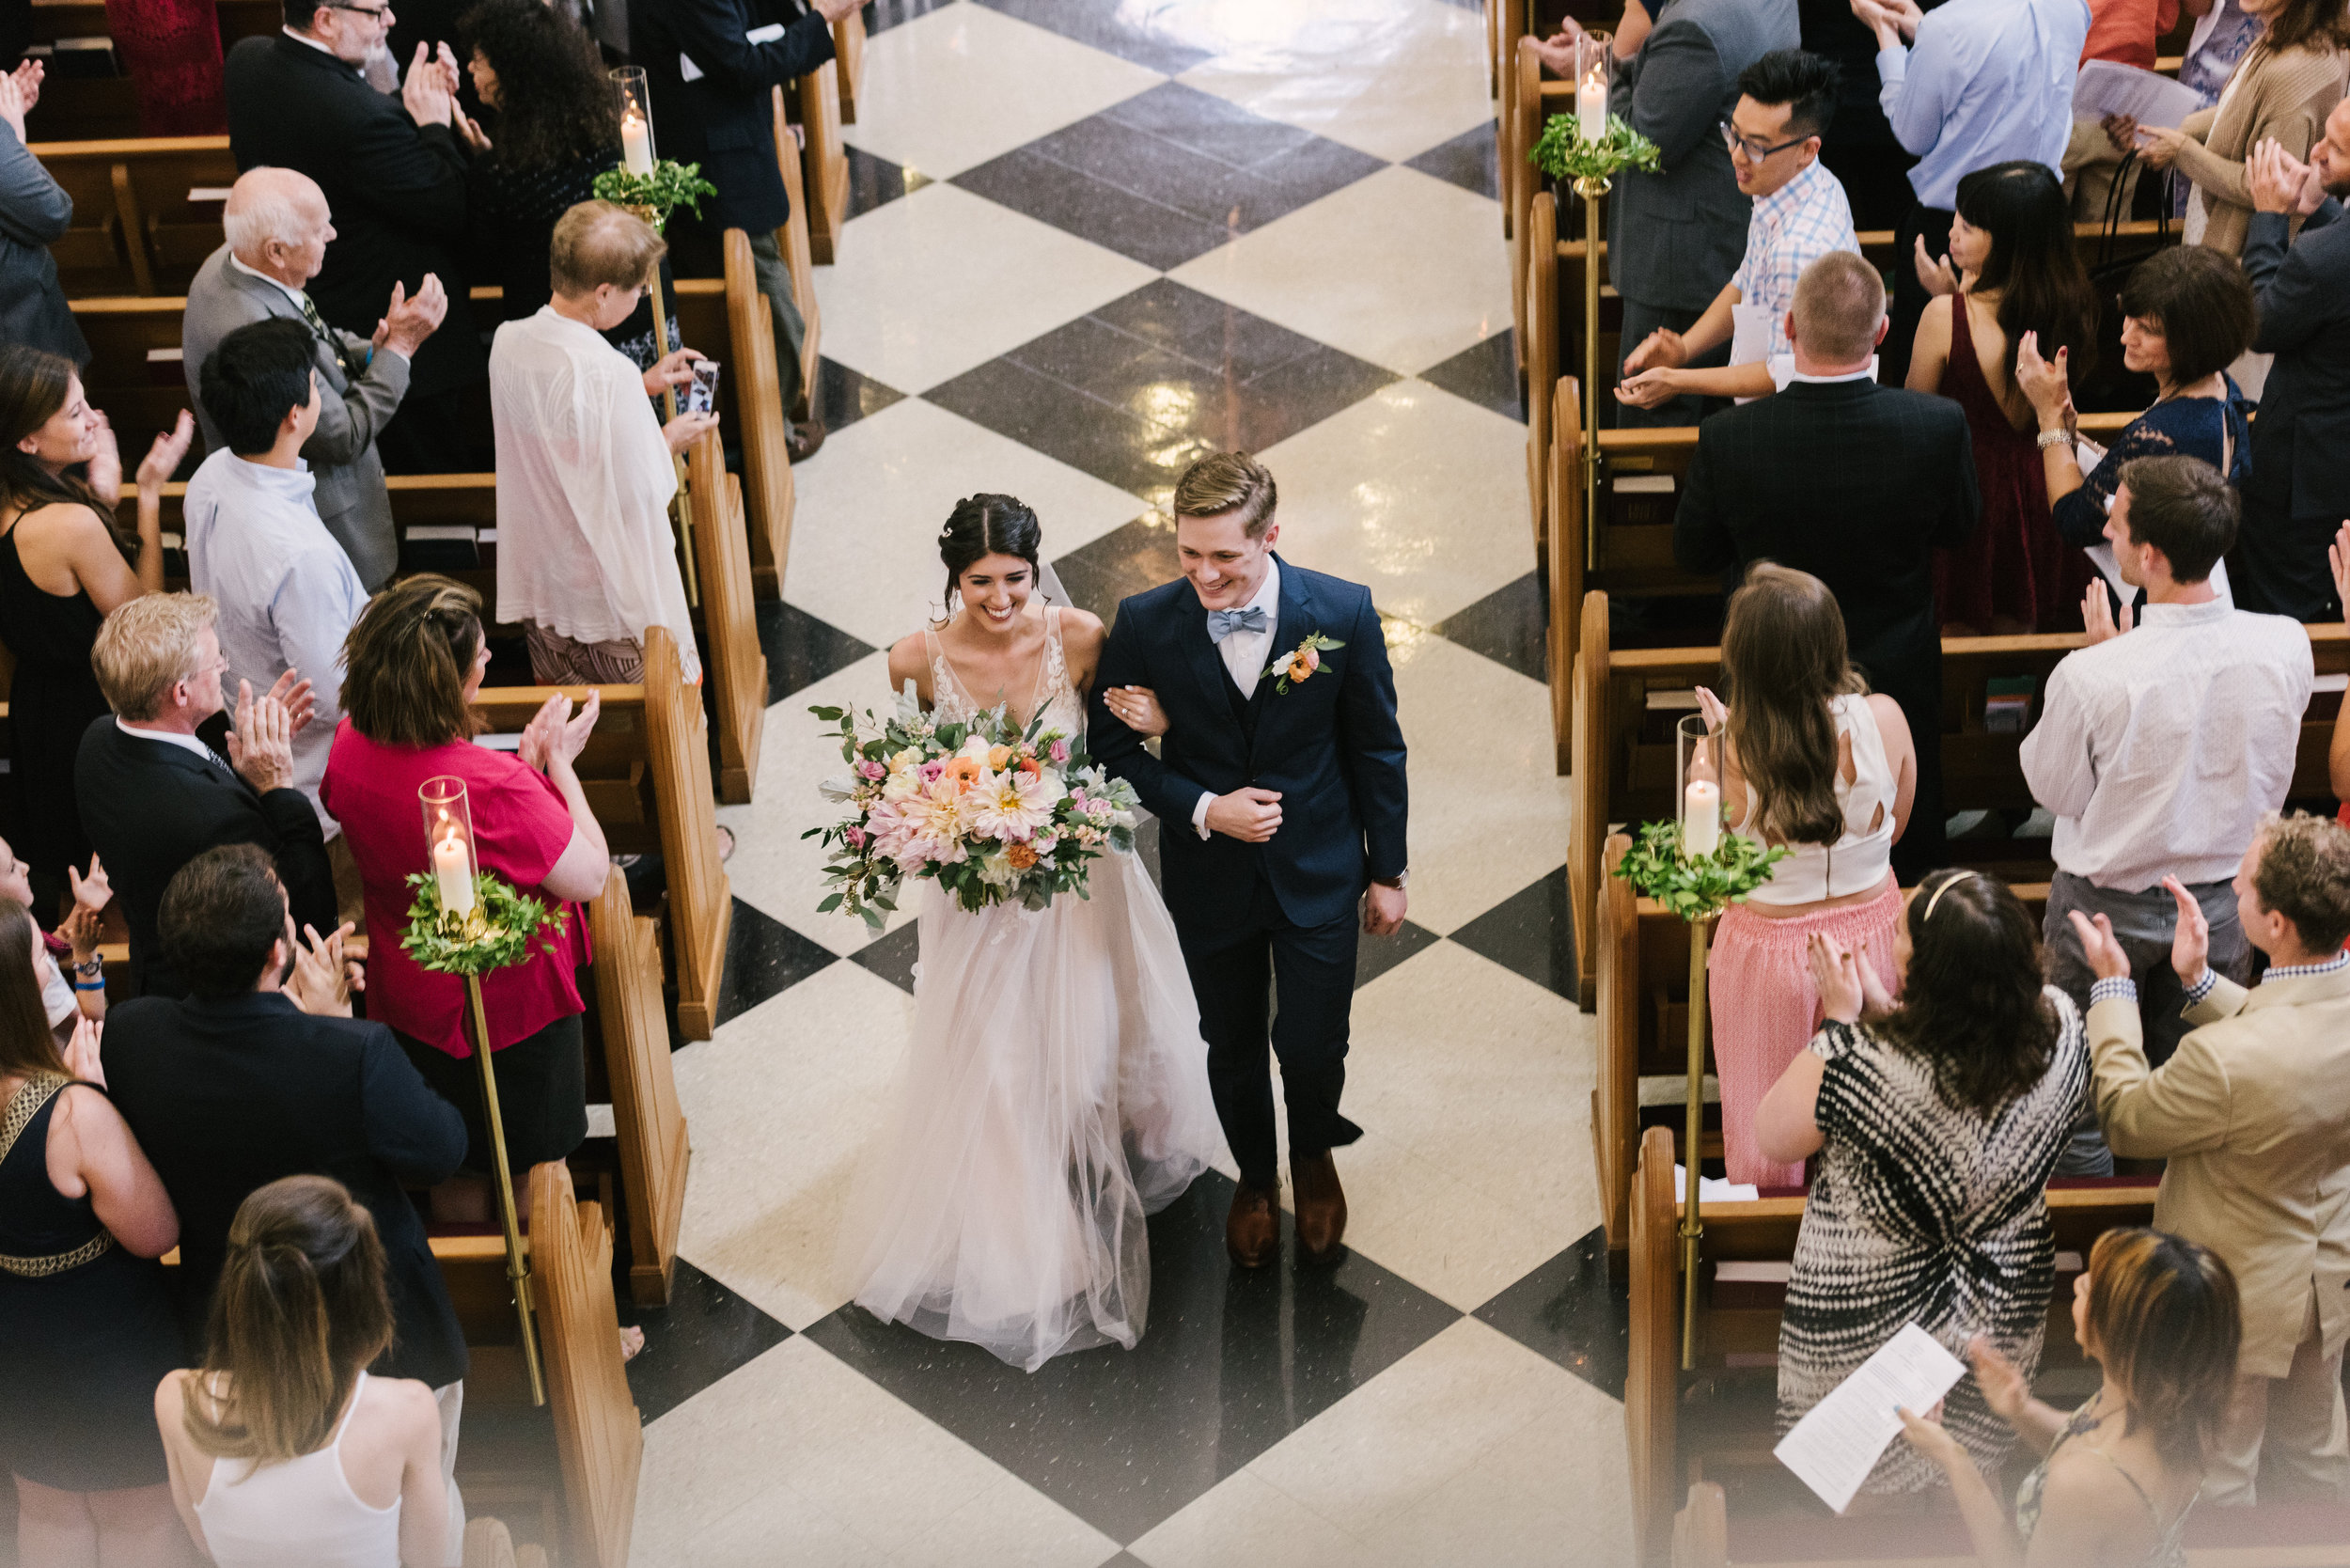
(1698, 779)
(637, 153)
(1594, 60)
(449, 841)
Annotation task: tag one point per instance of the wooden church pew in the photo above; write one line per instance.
(737, 668)
(145, 210)
(77, 106)
(793, 242)
(651, 1130)
(599, 1437)
(815, 105)
(848, 48)
(769, 494)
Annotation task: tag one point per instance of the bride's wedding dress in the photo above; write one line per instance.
(1056, 1092)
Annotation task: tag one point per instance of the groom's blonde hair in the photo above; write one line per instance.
(1228, 482)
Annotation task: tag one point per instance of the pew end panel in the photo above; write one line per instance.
(655, 1149)
(736, 669)
(848, 47)
(1588, 762)
(793, 241)
(1539, 352)
(825, 173)
(766, 459)
(599, 1437)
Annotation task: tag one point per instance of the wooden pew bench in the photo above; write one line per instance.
(145, 210)
(78, 107)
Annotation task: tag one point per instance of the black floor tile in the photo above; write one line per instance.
(704, 1333)
(892, 957)
(1375, 955)
(765, 959)
(1115, 29)
(1229, 1365)
(1156, 235)
(1510, 626)
(1119, 564)
(800, 648)
(1469, 160)
(1486, 374)
(1531, 932)
(1570, 1310)
(844, 396)
(875, 181)
(881, 15)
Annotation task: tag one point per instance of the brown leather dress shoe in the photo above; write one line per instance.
(1321, 1208)
(1252, 1230)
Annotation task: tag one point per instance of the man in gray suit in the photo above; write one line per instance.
(1675, 236)
(278, 227)
(34, 212)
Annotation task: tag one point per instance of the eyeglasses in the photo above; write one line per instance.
(1755, 150)
(379, 12)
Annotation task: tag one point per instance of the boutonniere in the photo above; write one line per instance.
(1300, 663)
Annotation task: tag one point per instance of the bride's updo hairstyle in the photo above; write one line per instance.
(983, 525)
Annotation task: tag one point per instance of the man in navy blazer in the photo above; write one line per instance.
(1279, 789)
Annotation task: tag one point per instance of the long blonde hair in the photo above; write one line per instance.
(299, 1311)
(1784, 655)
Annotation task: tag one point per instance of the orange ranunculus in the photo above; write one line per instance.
(998, 757)
(1031, 767)
(1020, 856)
(963, 770)
(1299, 668)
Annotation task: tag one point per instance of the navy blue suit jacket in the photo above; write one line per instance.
(1331, 745)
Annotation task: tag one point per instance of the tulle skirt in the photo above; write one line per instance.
(1056, 1092)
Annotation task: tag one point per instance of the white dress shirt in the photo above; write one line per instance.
(2160, 749)
(288, 592)
(584, 481)
(1246, 656)
(302, 301)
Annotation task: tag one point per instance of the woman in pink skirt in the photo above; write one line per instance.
(1813, 762)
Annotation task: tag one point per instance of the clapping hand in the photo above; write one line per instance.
(1138, 708)
(1711, 707)
(2047, 384)
(2097, 614)
(553, 737)
(2159, 146)
(2281, 182)
(1558, 51)
(1663, 347)
(2190, 936)
(2338, 556)
(1836, 974)
(1937, 277)
(322, 981)
(1928, 1436)
(81, 1053)
(1648, 389)
(104, 469)
(260, 743)
(28, 76)
(409, 319)
(91, 895)
(170, 449)
(13, 105)
(2122, 132)
(2104, 955)
(2005, 1389)
(428, 93)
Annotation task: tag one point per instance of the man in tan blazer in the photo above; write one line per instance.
(2253, 1114)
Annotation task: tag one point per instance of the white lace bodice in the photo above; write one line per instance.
(1054, 694)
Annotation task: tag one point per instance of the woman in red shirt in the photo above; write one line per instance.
(412, 664)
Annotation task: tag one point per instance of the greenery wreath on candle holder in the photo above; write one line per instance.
(1564, 153)
(494, 934)
(669, 186)
(1697, 887)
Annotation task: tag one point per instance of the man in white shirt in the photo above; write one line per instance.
(287, 593)
(1785, 101)
(587, 558)
(2159, 750)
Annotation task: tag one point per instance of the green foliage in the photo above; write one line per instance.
(1699, 888)
(1563, 154)
(669, 186)
(494, 935)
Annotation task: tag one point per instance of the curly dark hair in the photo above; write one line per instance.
(1972, 1005)
(556, 103)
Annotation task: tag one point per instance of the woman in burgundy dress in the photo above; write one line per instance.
(2012, 269)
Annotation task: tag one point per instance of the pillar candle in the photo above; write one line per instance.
(635, 143)
(1591, 107)
(452, 873)
(1701, 818)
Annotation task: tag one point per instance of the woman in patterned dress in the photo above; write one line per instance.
(1937, 1120)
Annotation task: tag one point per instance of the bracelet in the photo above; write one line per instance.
(99, 985)
(89, 966)
(2054, 438)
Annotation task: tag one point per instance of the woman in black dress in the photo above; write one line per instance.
(558, 127)
(63, 568)
(89, 1329)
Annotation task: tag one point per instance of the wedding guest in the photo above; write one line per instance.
(157, 796)
(1803, 477)
(413, 663)
(587, 556)
(1935, 1122)
(2186, 314)
(83, 1309)
(2158, 750)
(285, 592)
(2300, 486)
(2161, 1317)
(2012, 270)
(261, 1073)
(712, 84)
(284, 1448)
(2224, 34)
(1784, 101)
(71, 951)
(2124, 32)
(393, 171)
(34, 213)
(278, 231)
(2252, 1115)
(64, 566)
(2283, 91)
(1857, 146)
(1675, 236)
(1812, 762)
(1985, 82)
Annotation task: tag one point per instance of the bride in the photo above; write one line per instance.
(1057, 1088)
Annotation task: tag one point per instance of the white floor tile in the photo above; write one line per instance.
(940, 281)
(947, 91)
(865, 541)
(1010, 1525)
(1244, 1519)
(1414, 492)
(1400, 268)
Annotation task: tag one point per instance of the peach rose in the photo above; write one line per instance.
(998, 756)
(1019, 856)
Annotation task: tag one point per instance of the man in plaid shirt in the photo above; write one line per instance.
(1785, 100)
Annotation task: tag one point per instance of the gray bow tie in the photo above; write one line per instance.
(1223, 623)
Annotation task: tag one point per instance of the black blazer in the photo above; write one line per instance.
(227, 1096)
(724, 119)
(1856, 483)
(150, 808)
(397, 190)
(2301, 441)
(1331, 745)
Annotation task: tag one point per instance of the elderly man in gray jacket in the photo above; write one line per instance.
(278, 227)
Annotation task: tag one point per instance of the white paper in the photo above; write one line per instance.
(1835, 1445)
(2107, 87)
(1749, 333)
(768, 34)
(1713, 1189)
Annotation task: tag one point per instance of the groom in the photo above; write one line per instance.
(1280, 798)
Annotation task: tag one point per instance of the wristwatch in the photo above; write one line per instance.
(1397, 881)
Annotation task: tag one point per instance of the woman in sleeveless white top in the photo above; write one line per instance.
(1056, 1092)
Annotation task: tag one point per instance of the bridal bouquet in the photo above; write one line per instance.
(993, 813)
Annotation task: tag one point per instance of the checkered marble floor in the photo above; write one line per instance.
(1091, 240)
